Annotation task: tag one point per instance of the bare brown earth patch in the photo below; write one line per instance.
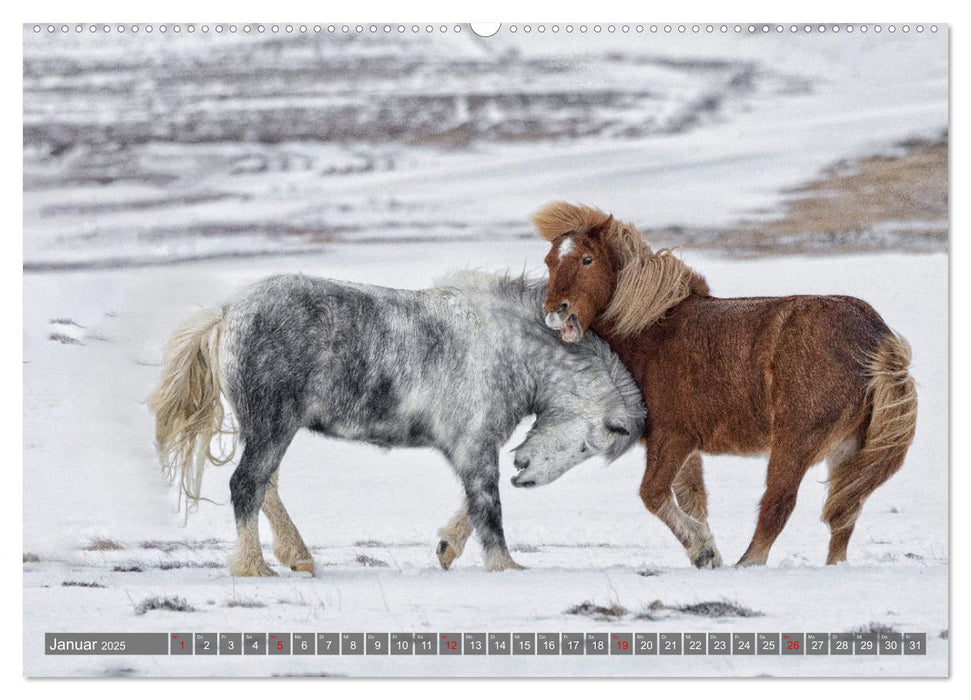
(890, 202)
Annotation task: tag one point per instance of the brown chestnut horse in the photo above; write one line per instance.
(800, 377)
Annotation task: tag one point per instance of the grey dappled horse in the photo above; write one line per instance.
(455, 367)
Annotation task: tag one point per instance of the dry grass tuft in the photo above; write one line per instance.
(598, 612)
(171, 603)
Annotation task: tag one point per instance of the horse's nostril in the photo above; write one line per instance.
(521, 463)
(564, 306)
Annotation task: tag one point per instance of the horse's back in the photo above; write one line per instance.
(348, 360)
(768, 359)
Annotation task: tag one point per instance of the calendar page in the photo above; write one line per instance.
(519, 350)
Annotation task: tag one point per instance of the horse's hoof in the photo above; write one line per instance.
(513, 566)
(446, 554)
(261, 570)
(745, 563)
(503, 562)
(307, 566)
(707, 557)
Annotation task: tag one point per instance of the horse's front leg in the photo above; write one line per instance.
(690, 494)
(666, 455)
(453, 537)
(480, 478)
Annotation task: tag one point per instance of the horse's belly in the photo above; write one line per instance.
(739, 434)
(400, 433)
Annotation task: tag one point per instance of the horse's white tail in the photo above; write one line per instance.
(188, 404)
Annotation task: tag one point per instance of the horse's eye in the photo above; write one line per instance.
(583, 448)
(587, 260)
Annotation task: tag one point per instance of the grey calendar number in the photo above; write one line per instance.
(890, 643)
(206, 643)
(817, 643)
(450, 644)
(621, 644)
(230, 643)
(595, 643)
(572, 644)
(304, 643)
(915, 643)
(474, 644)
(767, 643)
(669, 643)
(695, 643)
(328, 644)
(376, 643)
(426, 644)
(500, 643)
(548, 643)
(841, 643)
(254, 643)
(865, 644)
(524, 643)
(352, 644)
(793, 644)
(645, 643)
(279, 644)
(180, 644)
(743, 643)
(719, 643)
(402, 644)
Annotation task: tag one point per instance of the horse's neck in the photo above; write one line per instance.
(526, 349)
(632, 348)
(553, 375)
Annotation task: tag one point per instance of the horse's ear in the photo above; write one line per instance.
(602, 228)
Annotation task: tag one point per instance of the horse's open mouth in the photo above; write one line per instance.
(570, 331)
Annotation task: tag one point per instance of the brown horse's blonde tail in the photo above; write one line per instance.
(188, 404)
(893, 419)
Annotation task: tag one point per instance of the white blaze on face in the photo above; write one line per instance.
(566, 247)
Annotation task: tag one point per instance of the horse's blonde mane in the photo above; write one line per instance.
(649, 283)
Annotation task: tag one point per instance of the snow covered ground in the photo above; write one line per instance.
(162, 173)
(370, 516)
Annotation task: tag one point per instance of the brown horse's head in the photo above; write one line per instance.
(583, 273)
(601, 267)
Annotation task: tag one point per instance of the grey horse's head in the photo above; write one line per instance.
(597, 411)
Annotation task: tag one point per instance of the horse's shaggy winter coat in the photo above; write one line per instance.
(802, 377)
(455, 368)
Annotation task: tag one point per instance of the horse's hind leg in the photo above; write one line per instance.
(853, 475)
(788, 464)
(453, 537)
(288, 545)
(247, 488)
(689, 490)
